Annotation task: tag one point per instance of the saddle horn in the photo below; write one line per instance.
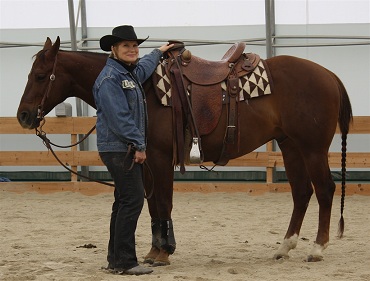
(176, 45)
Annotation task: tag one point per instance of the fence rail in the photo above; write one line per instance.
(74, 126)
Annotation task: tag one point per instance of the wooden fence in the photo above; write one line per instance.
(74, 126)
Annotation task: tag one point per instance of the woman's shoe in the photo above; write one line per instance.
(137, 270)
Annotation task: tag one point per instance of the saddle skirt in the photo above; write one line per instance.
(254, 84)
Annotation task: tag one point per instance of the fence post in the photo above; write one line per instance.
(73, 150)
(270, 171)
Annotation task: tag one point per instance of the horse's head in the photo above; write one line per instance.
(42, 80)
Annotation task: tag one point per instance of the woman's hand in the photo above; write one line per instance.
(139, 157)
(165, 47)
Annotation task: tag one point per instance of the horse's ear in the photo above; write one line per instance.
(55, 48)
(47, 44)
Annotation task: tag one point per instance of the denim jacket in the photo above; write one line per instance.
(121, 106)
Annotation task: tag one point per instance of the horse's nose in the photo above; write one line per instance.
(23, 117)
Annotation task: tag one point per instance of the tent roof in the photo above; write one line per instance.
(153, 13)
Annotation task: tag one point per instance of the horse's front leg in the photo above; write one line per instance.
(159, 183)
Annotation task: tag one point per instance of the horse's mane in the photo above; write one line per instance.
(41, 54)
(87, 54)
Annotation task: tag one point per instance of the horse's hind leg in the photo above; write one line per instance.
(301, 191)
(318, 168)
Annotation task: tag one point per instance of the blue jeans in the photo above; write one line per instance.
(126, 209)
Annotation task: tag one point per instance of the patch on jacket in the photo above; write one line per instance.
(127, 84)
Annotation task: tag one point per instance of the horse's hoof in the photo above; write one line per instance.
(312, 258)
(162, 259)
(152, 255)
(161, 263)
(148, 260)
(281, 257)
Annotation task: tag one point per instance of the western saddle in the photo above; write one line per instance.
(197, 96)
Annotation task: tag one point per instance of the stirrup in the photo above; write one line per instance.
(195, 157)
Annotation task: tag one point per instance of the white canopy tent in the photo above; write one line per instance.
(83, 14)
(54, 13)
(310, 29)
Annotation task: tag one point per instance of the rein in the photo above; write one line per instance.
(46, 141)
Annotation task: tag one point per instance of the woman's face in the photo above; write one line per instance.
(126, 51)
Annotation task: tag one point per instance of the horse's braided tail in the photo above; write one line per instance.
(344, 120)
(343, 172)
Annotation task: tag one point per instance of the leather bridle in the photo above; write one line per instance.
(40, 108)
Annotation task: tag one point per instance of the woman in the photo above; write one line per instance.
(121, 138)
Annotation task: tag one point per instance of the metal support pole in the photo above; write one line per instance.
(270, 27)
(270, 52)
(83, 21)
(83, 146)
(85, 107)
(72, 29)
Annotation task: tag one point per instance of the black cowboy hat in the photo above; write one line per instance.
(119, 33)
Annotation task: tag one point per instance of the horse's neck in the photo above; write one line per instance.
(83, 70)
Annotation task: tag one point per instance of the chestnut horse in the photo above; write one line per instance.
(301, 115)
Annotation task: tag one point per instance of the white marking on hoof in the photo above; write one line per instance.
(316, 253)
(287, 245)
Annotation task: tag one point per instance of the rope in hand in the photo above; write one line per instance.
(46, 141)
(41, 134)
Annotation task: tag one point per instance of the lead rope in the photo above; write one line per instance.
(46, 141)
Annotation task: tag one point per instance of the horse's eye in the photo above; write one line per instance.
(40, 77)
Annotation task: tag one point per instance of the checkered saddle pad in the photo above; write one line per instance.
(254, 84)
